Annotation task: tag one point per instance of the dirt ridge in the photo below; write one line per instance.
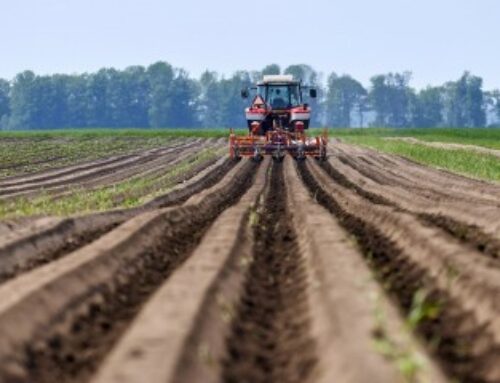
(445, 285)
(367, 267)
(57, 239)
(115, 260)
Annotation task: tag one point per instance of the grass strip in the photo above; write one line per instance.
(486, 137)
(468, 163)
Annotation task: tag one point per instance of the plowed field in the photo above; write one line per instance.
(366, 267)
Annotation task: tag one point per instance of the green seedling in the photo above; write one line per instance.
(422, 309)
(253, 219)
(406, 360)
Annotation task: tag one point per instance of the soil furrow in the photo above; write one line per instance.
(464, 221)
(450, 294)
(56, 239)
(364, 268)
(85, 300)
(49, 174)
(60, 172)
(354, 322)
(123, 169)
(468, 221)
(144, 168)
(468, 233)
(153, 170)
(390, 169)
(271, 340)
(179, 335)
(397, 175)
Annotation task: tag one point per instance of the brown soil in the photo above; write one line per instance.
(84, 322)
(270, 340)
(410, 258)
(367, 267)
(471, 216)
(97, 173)
(190, 312)
(58, 237)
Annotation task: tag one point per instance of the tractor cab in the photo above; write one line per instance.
(278, 102)
(277, 119)
(280, 96)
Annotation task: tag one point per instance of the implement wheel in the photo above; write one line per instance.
(278, 158)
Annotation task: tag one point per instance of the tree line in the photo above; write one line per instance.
(163, 96)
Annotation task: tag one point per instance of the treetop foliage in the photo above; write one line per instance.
(163, 96)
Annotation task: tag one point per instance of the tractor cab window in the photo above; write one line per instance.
(294, 95)
(280, 96)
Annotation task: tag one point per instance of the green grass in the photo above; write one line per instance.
(463, 161)
(486, 137)
(469, 163)
(405, 358)
(119, 133)
(422, 309)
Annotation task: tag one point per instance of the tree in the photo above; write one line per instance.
(464, 102)
(95, 94)
(51, 102)
(343, 96)
(77, 102)
(427, 108)
(137, 86)
(494, 98)
(476, 113)
(161, 96)
(303, 72)
(117, 99)
(183, 95)
(209, 99)
(21, 103)
(271, 69)
(390, 98)
(4, 103)
(160, 77)
(220, 102)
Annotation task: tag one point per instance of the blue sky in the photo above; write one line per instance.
(436, 39)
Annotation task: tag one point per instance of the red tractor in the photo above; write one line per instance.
(277, 122)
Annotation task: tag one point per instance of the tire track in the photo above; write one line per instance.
(447, 145)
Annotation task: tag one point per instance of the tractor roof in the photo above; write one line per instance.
(278, 79)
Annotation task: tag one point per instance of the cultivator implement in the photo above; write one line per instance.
(277, 143)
